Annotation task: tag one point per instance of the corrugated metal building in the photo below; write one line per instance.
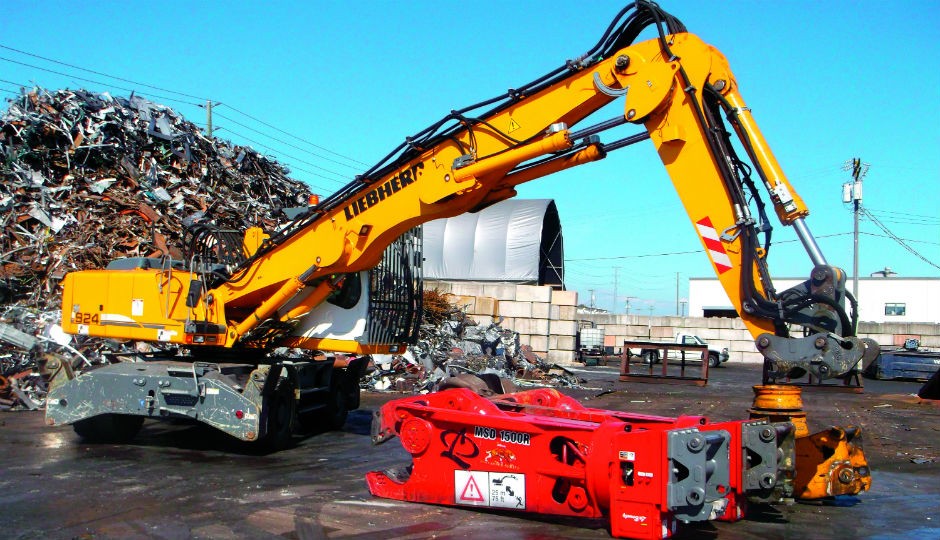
(880, 299)
(513, 241)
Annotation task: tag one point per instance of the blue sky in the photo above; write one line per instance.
(827, 82)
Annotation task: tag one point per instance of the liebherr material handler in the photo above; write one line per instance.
(316, 284)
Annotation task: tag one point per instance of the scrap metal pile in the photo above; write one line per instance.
(451, 345)
(88, 178)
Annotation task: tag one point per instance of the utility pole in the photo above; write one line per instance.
(626, 304)
(208, 107)
(852, 192)
(616, 276)
(592, 296)
(677, 294)
(209, 118)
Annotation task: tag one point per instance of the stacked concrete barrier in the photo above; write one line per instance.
(548, 321)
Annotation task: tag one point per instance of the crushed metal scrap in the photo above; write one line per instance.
(87, 178)
(454, 350)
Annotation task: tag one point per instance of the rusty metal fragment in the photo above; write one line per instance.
(453, 344)
(88, 178)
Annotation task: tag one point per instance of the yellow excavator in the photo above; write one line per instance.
(345, 275)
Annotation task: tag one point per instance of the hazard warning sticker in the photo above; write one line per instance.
(496, 490)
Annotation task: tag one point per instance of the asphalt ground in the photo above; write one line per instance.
(181, 481)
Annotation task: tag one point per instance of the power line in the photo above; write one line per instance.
(288, 144)
(14, 83)
(342, 181)
(909, 219)
(279, 130)
(916, 222)
(905, 239)
(108, 85)
(102, 74)
(908, 214)
(684, 252)
(635, 256)
(262, 145)
(898, 239)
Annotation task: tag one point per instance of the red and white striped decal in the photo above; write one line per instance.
(717, 251)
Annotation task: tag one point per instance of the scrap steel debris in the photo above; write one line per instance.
(88, 178)
(452, 345)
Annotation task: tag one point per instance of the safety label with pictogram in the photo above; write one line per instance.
(496, 490)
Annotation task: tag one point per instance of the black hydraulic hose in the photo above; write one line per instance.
(624, 142)
(618, 35)
(815, 298)
(854, 303)
(597, 128)
(765, 305)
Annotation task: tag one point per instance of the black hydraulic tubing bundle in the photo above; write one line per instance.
(622, 32)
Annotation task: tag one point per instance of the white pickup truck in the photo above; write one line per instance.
(715, 357)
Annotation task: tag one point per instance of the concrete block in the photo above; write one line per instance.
(467, 289)
(745, 358)
(511, 308)
(564, 358)
(695, 322)
(899, 339)
(539, 344)
(708, 334)
(499, 291)
(742, 346)
(565, 343)
(869, 328)
(662, 333)
(635, 331)
(725, 322)
(507, 323)
(615, 330)
(468, 304)
(554, 312)
(533, 293)
(532, 326)
(486, 305)
(600, 319)
(564, 328)
(735, 335)
(442, 287)
(564, 298)
(567, 313)
(924, 329)
(541, 310)
(930, 341)
(752, 358)
(482, 320)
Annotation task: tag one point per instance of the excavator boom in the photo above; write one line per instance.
(675, 86)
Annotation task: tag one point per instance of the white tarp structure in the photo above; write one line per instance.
(514, 240)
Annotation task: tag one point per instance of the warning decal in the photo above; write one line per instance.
(470, 488)
(513, 126)
(497, 490)
(713, 243)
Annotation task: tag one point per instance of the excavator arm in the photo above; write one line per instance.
(679, 89)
